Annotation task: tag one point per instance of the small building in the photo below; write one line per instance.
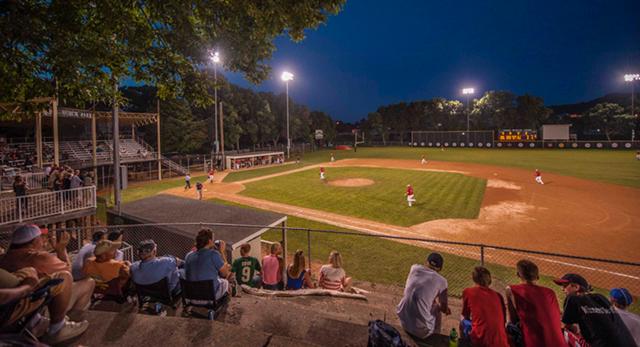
(253, 159)
(173, 223)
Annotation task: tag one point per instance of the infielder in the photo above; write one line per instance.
(332, 158)
(410, 197)
(322, 173)
(538, 177)
(424, 160)
(211, 173)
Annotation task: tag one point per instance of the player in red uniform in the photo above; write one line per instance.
(211, 173)
(322, 173)
(410, 197)
(538, 177)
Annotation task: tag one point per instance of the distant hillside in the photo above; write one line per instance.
(623, 99)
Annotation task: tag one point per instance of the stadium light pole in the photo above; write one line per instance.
(286, 77)
(467, 92)
(215, 58)
(631, 79)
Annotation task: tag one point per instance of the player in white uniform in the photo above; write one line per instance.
(539, 177)
(424, 160)
(410, 197)
(322, 173)
(332, 158)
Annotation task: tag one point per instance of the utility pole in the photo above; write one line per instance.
(116, 148)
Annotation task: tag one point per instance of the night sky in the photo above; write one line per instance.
(379, 52)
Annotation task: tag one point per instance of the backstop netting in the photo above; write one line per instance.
(458, 138)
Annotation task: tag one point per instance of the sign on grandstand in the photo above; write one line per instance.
(70, 113)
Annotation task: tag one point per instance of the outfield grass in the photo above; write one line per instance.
(440, 195)
(610, 166)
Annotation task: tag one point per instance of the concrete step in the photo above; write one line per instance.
(130, 329)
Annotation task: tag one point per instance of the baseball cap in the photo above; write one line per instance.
(25, 233)
(145, 247)
(104, 246)
(573, 278)
(435, 260)
(621, 296)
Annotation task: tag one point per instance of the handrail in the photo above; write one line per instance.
(28, 207)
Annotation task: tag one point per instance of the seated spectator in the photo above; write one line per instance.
(297, 274)
(207, 263)
(116, 236)
(151, 268)
(621, 300)
(246, 268)
(25, 251)
(534, 312)
(591, 315)
(425, 298)
(484, 309)
(104, 267)
(332, 275)
(85, 253)
(272, 269)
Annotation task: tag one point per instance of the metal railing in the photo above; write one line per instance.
(24, 208)
(387, 259)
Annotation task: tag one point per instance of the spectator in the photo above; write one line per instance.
(88, 179)
(483, 309)
(20, 190)
(207, 263)
(621, 300)
(57, 182)
(332, 275)
(272, 269)
(66, 181)
(25, 251)
(116, 236)
(534, 312)
(591, 315)
(85, 253)
(425, 298)
(104, 267)
(19, 285)
(151, 268)
(297, 273)
(247, 268)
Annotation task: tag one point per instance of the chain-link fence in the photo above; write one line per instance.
(385, 259)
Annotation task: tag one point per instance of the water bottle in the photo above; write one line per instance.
(453, 338)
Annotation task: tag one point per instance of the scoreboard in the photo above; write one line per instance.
(517, 135)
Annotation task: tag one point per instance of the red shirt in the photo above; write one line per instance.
(537, 173)
(409, 190)
(539, 315)
(321, 169)
(486, 309)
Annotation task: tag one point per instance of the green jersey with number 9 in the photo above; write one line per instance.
(245, 268)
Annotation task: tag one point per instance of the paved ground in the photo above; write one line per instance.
(567, 215)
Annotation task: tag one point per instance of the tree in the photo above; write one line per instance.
(181, 132)
(530, 111)
(609, 117)
(79, 49)
(495, 109)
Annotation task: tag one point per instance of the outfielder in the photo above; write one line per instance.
(322, 173)
(410, 197)
(424, 160)
(332, 158)
(538, 177)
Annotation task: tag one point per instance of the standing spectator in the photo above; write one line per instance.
(247, 268)
(66, 181)
(88, 179)
(332, 275)
(26, 251)
(57, 181)
(298, 276)
(85, 253)
(425, 299)
(104, 267)
(272, 268)
(591, 315)
(151, 268)
(74, 180)
(20, 190)
(621, 300)
(534, 312)
(207, 263)
(187, 181)
(117, 236)
(199, 190)
(484, 309)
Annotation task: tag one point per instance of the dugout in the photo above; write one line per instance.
(173, 223)
(253, 159)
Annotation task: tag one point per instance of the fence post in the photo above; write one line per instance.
(309, 246)
(61, 201)
(481, 255)
(19, 210)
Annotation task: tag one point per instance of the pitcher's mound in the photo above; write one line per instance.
(352, 182)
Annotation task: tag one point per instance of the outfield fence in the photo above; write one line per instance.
(368, 258)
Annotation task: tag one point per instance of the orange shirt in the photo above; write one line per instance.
(44, 262)
(104, 271)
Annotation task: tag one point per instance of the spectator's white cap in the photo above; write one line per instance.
(25, 233)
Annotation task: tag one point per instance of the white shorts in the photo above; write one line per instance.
(322, 175)
(223, 288)
(411, 198)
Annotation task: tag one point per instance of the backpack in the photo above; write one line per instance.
(382, 334)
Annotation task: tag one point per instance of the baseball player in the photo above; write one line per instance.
(211, 173)
(322, 173)
(332, 158)
(410, 197)
(199, 190)
(538, 177)
(187, 181)
(424, 160)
